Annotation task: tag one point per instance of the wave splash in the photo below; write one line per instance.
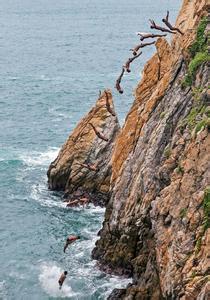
(48, 279)
(39, 159)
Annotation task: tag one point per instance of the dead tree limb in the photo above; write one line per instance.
(99, 134)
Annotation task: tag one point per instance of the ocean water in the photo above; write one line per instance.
(55, 56)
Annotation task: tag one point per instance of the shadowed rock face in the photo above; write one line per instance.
(83, 163)
(154, 221)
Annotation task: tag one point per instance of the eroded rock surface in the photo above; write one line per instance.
(155, 221)
(83, 167)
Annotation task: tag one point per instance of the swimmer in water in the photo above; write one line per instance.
(62, 279)
(70, 240)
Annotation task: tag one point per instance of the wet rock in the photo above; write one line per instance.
(117, 294)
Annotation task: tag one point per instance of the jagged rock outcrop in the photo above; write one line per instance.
(83, 164)
(158, 214)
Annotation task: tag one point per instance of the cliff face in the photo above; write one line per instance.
(157, 219)
(83, 163)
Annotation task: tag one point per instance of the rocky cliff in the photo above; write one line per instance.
(83, 167)
(157, 219)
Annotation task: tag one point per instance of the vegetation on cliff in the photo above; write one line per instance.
(206, 208)
(198, 53)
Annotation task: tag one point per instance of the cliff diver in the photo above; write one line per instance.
(129, 61)
(171, 27)
(118, 81)
(70, 240)
(99, 134)
(62, 279)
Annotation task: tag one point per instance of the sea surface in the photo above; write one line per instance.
(55, 56)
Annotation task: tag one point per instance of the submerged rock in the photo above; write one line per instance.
(83, 168)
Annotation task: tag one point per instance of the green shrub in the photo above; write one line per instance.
(200, 42)
(193, 275)
(167, 152)
(196, 92)
(162, 115)
(198, 52)
(205, 123)
(198, 60)
(206, 222)
(200, 125)
(207, 111)
(187, 81)
(179, 170)
(192, 119)
(183, 212)
(206, 208)
(198, 245)
(195, 63)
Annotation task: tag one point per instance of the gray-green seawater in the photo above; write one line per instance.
(54, 57)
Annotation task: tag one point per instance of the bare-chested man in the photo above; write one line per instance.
(62, 279)
(73, 203)
(70, 240)
(77, 202)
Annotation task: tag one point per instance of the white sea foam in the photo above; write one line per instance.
(115, 282)
(95, 209)
(39, 193)
(48, 278)
(37, 158)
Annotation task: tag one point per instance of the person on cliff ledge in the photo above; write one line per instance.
(71, 239)
(62, 279)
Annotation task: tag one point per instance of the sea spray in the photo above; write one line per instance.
(49, 275)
